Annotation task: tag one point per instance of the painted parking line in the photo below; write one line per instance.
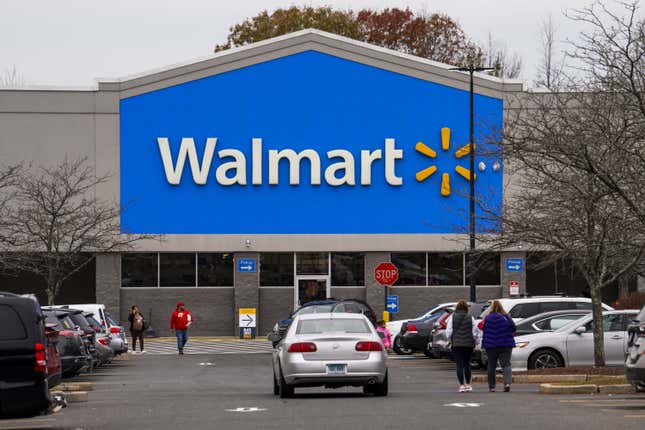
(634, 416)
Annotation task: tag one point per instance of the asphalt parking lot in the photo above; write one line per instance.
(234, 391)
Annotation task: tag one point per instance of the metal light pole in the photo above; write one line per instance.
(471, 69)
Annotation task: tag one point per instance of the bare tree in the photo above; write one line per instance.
(9, 178)
(56, 224)
(578, 158)
(10, 78)
(549, 68)
(495, 55)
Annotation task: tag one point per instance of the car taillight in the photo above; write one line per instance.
(67, 333)
(115, 330)
(369, 346)
(303, 347)
(412, 328)
(104, 341)
(40, 365)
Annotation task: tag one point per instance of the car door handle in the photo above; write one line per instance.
(617, 337)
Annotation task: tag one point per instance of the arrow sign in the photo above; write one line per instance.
(247, 317)
(246, 265)
(249, 320)
(514, 264)
(392, 303)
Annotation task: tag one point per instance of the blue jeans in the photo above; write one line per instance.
(182, 338)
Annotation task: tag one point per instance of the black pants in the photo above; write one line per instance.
(503, 355)
(462, 359)
(137, 335)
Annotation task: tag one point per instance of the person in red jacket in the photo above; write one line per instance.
(180, 320)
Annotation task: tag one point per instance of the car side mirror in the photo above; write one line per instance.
(274, 337)
(580, 330)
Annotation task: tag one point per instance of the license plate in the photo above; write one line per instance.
(336, 369)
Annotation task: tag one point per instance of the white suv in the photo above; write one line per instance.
(525, 307)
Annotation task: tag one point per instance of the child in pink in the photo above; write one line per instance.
(384, 334)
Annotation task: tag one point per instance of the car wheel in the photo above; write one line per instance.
(276, 387)
(428, 352)
(398, 348)
(380, 390)
(545, 359)
(285, 390)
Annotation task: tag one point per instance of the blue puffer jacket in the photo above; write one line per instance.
(498, 332)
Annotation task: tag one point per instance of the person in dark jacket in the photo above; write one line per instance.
(137, 326)
(462, 331)
(498, 342)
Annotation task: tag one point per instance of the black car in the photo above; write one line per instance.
(74, 356)
(24, 390)
(322, 306)
(88, 333)
(416, 334)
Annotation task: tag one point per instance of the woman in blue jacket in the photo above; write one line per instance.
(498, 342)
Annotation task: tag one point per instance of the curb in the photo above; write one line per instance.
(548, 379)
(75, 386)
(568, 389)
(616, 389)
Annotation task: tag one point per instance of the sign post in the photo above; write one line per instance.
(247, 323)
(387, 274)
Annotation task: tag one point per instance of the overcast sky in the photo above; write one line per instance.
(72, 42)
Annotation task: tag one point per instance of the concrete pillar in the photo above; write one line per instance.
(247, 292)
(640, 284)
(508, 276)
(375, 292)
(108, 282)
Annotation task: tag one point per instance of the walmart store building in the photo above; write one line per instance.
(278, 172)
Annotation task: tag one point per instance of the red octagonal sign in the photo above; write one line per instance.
(386, 273)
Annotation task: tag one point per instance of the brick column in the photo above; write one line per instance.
(507, 277)
(247, 293)
(374, 292)
(108, 282)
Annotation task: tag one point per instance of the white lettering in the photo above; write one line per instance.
(187, 148)
(294, 165)
(391, 155)
(367, 158)
(347, 165)
(239, 165)
(256, 171)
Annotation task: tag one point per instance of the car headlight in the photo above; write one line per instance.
(521, 344)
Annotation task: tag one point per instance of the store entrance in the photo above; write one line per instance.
(310, 289)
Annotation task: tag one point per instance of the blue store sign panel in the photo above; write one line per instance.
(246, 265)
(392, 304)
(514, 264)
(304, 131)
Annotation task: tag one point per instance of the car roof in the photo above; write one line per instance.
(329, 315)
(543, 299)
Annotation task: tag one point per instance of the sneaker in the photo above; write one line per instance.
(492, 390)
(507, 388)
(462, 388)
(181, 352)
(143, 352)
(469, 388)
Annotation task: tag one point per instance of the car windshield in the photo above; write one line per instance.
(641, 315)
(314, 309)
(111, 320)
(328, 325)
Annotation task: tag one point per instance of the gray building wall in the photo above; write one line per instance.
(348, 293)
(275, 304)
(247, 285)
(108, 282)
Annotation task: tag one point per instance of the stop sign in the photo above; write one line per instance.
(386, 273)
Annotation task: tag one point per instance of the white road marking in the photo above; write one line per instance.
(251, 409)
(464, 405)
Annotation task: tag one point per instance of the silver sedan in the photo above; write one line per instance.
(330, 350)
(572, 344)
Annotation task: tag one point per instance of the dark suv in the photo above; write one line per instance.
(23, 359)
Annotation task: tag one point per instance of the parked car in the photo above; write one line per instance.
(572, 344)
(549, 321)
(88, 334)
(395, 326)
(54, 365)
(635, 362)
(415, 342)
(73, 353)
(325, 306)
(439, 343)
(102, 341)
(525, 307)
(24, 390)
(331, 350)
(118, 339)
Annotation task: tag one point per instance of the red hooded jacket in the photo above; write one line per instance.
(180, 319)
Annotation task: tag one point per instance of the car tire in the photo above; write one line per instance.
(545, 359)
(380, 390)
(276, 387)
(428, 352)
(285, 390)
(396, 347)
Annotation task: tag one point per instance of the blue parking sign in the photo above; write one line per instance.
(246, 265)
(514, 264)
(392, 304)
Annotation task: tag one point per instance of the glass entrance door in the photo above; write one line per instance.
(310, 289)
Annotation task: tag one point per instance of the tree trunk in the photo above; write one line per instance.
(598, 333)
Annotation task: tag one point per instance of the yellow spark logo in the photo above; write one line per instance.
(424, 174)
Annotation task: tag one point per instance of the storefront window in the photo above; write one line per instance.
(487, 270)
(139, 269)
(177, 269)
(312, 263)
(412, 268)
(445, 269)
(215, 269)
(276, 269)
(347, 268)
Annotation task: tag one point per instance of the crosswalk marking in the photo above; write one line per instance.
(209, 347)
